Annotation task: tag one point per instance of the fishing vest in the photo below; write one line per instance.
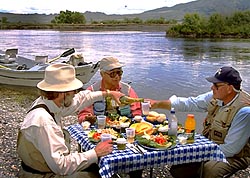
(217, 123)
(32, 159)
(99, 107)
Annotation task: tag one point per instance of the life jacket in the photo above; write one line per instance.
(99, 107)
(219, 119)
(32, 159)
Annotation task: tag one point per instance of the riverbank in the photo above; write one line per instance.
(14, 104)
(94, 28)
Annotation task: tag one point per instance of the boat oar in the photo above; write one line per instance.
(65, 54)
(4, 67)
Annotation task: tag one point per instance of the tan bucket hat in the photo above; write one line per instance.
(60, 77)
(110, 63)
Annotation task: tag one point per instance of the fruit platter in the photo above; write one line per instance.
(143, 128)
(121, 120)
(95, 135)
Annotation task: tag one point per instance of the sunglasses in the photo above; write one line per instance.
(114, 73)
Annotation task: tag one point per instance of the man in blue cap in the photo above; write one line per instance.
(227, 123)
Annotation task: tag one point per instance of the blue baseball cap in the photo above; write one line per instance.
(226, 74)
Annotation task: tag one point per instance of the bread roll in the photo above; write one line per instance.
(161, 118)
(153, 114)
(151, 118)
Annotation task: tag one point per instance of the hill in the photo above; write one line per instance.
(203, 7)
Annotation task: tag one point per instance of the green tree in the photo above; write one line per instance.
(216, 24)
(193, 24)
(240, 18)
(236, 25)
(4, 20)
(69, 17)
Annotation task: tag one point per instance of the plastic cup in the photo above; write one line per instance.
(145, 106)
(130, 133)
(101, 121)
(105, 137)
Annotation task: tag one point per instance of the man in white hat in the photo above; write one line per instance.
(111, 73)
(41, 144)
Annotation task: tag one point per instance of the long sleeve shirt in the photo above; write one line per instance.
(135, 107)
(239, 132)
(46, 135)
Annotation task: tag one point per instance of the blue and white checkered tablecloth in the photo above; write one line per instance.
(124, 161)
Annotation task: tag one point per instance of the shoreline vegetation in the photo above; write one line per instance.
(236, 25)
(89, 27)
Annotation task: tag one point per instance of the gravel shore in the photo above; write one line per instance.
(13, 107)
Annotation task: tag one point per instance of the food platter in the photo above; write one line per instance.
(157, 149)
(156, 142)
(143, 128)
(164, 128)
(95, 135)
(117, 123)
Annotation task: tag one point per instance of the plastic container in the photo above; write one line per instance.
(182, 138)
(190, 125)
(172, 123)
(121, 143)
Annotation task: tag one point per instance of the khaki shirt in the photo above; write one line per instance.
(47, 139)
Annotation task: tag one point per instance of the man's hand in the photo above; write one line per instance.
(104, 148)
(116, 96)
(159, 104)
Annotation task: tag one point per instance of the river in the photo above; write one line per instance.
(156, 66)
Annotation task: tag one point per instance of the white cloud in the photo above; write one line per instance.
(106, 6)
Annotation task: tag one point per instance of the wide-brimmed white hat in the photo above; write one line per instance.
(110, 63)
(60, 77)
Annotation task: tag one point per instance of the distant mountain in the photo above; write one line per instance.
(203, 7)
(28, 18)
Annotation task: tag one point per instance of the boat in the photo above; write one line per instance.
(21, 71)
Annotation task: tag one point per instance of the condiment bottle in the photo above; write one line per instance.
(126, 100)
(172, 123)
(190, 125)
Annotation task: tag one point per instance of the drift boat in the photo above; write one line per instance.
(17, 70)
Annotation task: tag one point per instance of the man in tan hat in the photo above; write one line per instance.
(111, 73)
(41, 143)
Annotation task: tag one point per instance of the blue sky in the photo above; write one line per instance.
(105, 6)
